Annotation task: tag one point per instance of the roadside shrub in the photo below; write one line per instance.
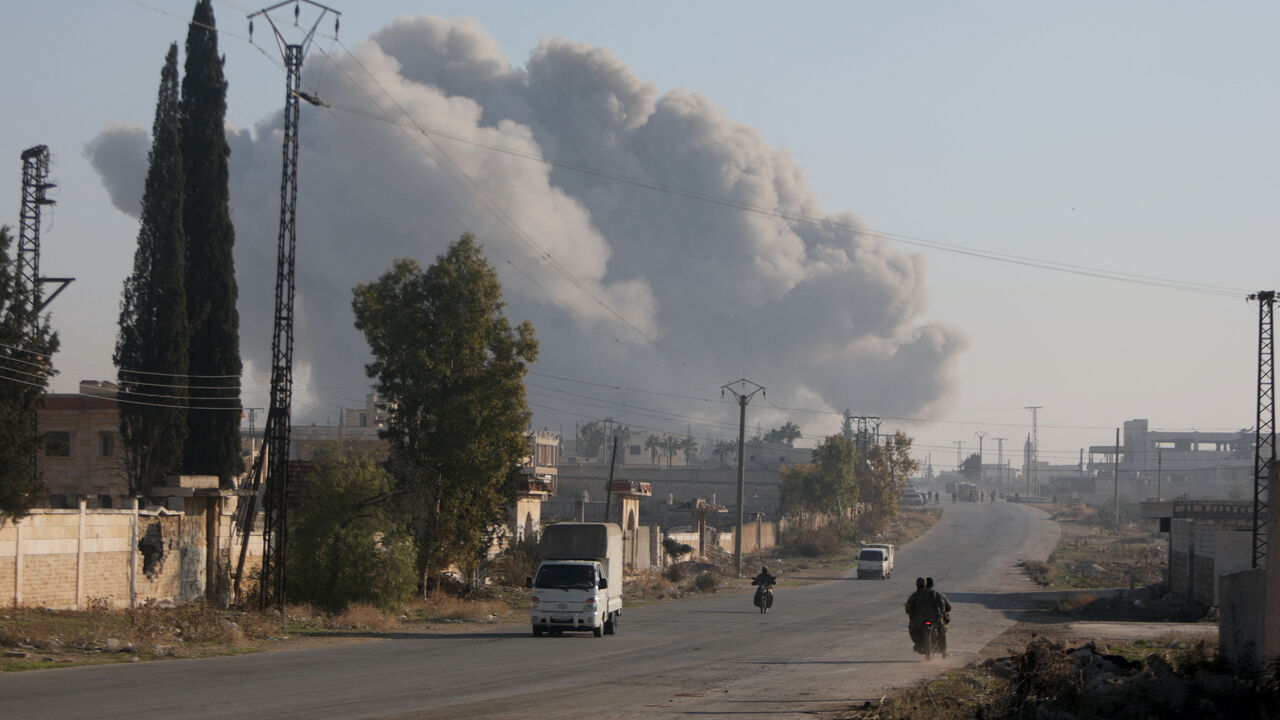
(674, 573)
(1040, 572)
(812, 542)
(706, 582)
(344, 546)
(675, 549)
(516, 562)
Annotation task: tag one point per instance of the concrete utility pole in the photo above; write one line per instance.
(981, 434)
(1159, 468)
(1115, 492)
(1000, 460)
(959, 444)
(1035, 451)
(743, 398)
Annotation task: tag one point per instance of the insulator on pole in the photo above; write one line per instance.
(250, 29)
(335, 26)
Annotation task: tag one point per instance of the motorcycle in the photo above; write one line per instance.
(764, 597)
(935, 639)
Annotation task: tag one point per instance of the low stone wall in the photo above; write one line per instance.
(66, 559)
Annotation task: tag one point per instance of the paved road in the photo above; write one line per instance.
(822, 647)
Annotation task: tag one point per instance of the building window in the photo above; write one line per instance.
(57, 444)
(106, 444)
(364, 419)
(104, 501)
(633, 449)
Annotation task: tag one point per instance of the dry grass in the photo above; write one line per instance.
(440, 606)
(44, 638)
(1071, 602)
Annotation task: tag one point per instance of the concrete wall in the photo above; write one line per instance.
(1200, 553)
(1241, 625)
(63, 559)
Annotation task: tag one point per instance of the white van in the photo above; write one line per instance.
(875, 560)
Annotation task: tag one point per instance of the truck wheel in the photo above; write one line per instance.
(611, 624)
(598, 631)
(537, 631)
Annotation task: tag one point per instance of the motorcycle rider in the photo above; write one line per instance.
(763, 580)
(917, 612)
(944, 609)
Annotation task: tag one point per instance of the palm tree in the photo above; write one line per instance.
(653, 444)
(690, 447)
(789, 433)
(723, 449)
(670, 444)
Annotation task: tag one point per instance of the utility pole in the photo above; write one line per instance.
(275, 449)
(1035, 450)
(1000, 460)
(1115, 491)
(981, 434)
(959, 444)
(1159, 469)
(743, 398)
(1264, 457)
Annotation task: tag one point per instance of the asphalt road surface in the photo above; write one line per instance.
(822, 647)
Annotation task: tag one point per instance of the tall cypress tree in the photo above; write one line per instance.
(213, 439)
(151, 350)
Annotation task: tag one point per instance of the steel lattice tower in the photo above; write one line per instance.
(276, 448)
(35, 183)
(1264, 454)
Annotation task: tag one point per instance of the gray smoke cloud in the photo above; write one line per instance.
(625, 283)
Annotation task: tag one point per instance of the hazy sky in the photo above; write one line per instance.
(1130, 138)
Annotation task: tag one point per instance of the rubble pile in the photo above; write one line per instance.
(1050, 682)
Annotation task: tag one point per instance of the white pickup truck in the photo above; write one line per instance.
(875, 561)
(579, 583)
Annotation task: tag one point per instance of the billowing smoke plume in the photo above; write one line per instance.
(625, 282)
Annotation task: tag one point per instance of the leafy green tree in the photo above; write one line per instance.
(344, 545)
(24, 372)
(454, 368)
(151, 348)
(827, 485)
(886, 477)
(213, 440)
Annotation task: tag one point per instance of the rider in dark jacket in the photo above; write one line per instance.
(920, 607)
(763, 579)
(943, 613)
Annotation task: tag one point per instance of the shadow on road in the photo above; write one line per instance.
(826, 662)
(1018, 605)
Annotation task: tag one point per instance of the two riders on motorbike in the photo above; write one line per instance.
(927, 609)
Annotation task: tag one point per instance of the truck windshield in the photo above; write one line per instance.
(872, 555)
(566, 576)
